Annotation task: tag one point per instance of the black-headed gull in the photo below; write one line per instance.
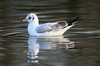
(47, 29)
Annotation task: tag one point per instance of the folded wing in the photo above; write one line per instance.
(48, 27)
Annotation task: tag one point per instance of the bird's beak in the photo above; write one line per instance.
(24, 20)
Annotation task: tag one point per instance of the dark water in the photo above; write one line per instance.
(79, 46)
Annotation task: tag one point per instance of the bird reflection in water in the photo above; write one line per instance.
(36, 44)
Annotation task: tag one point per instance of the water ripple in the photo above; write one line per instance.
(89, 32)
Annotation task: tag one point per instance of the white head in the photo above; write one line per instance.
(32, 17)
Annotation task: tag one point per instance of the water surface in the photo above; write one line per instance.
(78, 46)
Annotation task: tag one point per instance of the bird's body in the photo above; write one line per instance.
(47, 29)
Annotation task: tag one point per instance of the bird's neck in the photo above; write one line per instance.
(32, 27)
(35, 23)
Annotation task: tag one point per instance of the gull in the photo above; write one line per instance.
(57, 28)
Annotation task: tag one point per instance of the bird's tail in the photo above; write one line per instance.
(70, 22)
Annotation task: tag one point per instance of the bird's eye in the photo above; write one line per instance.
(33, 17)
(29, 18)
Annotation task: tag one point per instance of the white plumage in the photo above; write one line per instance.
(47, 29)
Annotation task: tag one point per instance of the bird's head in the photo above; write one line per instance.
(32, 17)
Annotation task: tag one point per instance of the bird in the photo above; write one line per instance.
(57, 28)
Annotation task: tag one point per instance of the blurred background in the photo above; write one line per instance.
(80, 45)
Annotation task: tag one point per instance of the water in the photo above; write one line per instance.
(78, 46)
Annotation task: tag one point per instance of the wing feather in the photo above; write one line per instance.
(47, 27)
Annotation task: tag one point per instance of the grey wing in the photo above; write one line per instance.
(60, 25)
(47, 27)
(51, 27)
